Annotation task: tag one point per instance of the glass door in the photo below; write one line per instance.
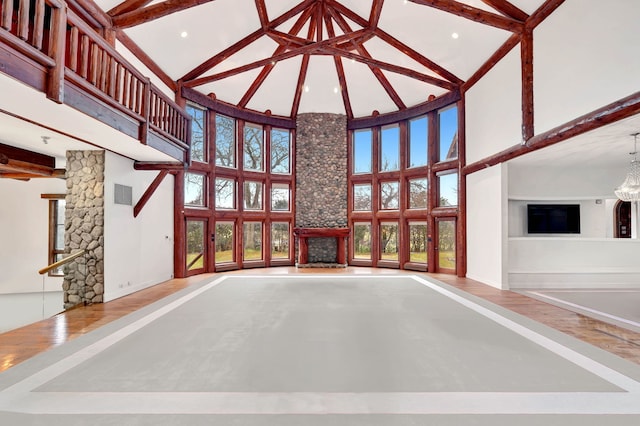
(445, 245)
(196, 246)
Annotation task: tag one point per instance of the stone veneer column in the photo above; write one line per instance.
(84, 228)
(321, 178)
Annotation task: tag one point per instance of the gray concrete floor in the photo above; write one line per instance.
(322, 350)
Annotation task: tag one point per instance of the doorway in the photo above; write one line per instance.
(445, 245)
(622, 219)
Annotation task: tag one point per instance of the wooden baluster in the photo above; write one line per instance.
(23, 19)
(132, 92)
(85, 48)
(38, 25)
(7, 14)
(93, 66)
(112, 82)
(104, 70)
(125, 88)
(118, 89)
(73, 49)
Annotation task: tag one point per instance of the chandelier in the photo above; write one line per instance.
(630, 188)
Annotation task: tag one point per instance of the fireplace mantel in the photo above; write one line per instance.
(304, 234)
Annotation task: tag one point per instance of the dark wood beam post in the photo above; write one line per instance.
(623, 108)
(526, 49)
(179, 244)
(461, 238)
(149, 192)
(55, 78)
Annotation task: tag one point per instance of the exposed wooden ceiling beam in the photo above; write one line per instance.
(25, 168)
(57, 173)
(127, 6)
(310, 48)
(389, 67)
(8, 152)
(337, 60)
(474, 14)
(345, 27)
(146, 59)
(261, 7)
(416, 56)
(295, 106)
(221, 56)
(151, 165)
(615, 111)
(364, 23)
(153, 12)
(269, 67)
(542, 12)
(492, 61)
(507, 9)
(376, 9)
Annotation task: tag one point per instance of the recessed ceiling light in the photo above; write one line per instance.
(306, 88)
(455, 35)
(335, 90)
(184, 34)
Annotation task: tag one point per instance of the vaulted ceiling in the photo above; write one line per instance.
(341, 56)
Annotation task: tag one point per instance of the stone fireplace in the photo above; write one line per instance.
(321, 181)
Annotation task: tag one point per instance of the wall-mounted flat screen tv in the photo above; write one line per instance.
(553, 218)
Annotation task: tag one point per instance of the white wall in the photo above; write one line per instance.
(138, 251)
(493, 109)
(585, 56)
(24, 231)
(486, 225)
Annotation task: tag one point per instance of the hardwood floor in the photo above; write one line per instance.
(21, 344)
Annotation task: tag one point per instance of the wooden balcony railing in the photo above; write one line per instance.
(67, 48)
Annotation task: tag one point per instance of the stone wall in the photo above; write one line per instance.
(321, 178)
(84, 228)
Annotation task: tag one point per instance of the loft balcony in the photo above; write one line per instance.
(50, 48)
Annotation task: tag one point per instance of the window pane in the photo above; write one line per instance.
(418, 242)
(280, 240)
(225, 193)
(418, 193)
(252, 240)
(280, 197)
(448, 131)
(390, 149)
(418, 142)
(362, 151)
(362, 197)
(252, 195)
(389, 196)
(194, 189)
(253, 148)
(59, 225)
(280, 148)
(195, 244)
(224, 242)
(362, 241)
(225, 141)
(197, 133)
(447, 244)
(389, 241)
(448, 190)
